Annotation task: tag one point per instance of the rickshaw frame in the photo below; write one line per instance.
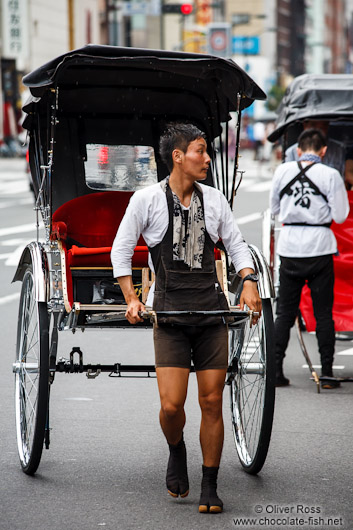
(75, 96)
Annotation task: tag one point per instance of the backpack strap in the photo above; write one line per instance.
(303, 177)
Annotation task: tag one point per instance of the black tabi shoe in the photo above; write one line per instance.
(177, 473)
(328, 382)
(209, 500)
(281, 380)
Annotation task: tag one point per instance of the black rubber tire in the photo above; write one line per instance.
(252, 394)
(31, 375)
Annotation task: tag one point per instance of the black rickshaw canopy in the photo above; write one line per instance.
(167, 83)
(107, 95)
(311, 96)
(225, 73)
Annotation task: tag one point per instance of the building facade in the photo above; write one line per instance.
(31, 33)
(290, 39)
(327, 35)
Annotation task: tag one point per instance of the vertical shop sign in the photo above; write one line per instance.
(219, 39)
(203, 12)
(15, 31)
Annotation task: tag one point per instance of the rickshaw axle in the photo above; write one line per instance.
(114, 370)
(68, 366)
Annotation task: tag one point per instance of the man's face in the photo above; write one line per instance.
(322, 125)
(195, 162)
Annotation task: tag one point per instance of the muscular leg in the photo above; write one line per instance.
(172, 385)
(211, 384)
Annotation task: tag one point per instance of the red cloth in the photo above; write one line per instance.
(100, 257)
(343, 290)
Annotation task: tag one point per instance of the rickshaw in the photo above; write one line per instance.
(94, 119)
(325, 97)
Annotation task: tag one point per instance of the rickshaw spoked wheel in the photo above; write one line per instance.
(31, 375)
(252, 390)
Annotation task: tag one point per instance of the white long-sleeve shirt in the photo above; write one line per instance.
(308, 241)
(147, 215)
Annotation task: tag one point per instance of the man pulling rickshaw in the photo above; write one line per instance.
(181, 220)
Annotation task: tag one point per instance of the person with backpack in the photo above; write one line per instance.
(307, 196)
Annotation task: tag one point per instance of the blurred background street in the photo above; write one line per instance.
(273, 40)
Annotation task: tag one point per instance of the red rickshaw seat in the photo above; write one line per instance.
(100, 257)
(87, 227)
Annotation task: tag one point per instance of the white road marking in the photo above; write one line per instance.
(14, 257)
(11, 204)
(13, 242)
(246, 184)
(5, 256)
(9, 298)
(11, 182)
(8, 176)
(318, 366)
(248, 218)
(17, 186)
(78, 399)
(259, 187)
(17, 229)
(345, 352)
(249, 178)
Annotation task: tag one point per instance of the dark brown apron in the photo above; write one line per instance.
(179, 288)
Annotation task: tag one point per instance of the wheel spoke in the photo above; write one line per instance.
(31, 376)
(248, 391)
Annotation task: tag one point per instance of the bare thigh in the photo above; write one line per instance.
(172, 385)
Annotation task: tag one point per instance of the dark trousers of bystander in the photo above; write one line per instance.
(318, 273)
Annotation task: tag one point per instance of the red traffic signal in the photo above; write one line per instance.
(177, 9)
(186, 9)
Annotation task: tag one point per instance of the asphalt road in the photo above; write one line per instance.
(106, 464)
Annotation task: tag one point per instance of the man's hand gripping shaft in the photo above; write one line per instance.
(250, 295)
(134, 306)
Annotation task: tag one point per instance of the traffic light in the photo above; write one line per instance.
(177, 9)
(186, 9)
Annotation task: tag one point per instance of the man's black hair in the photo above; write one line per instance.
(312, 140)
(177, 136)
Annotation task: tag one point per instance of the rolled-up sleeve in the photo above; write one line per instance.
(126, 238)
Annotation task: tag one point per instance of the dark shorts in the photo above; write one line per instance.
(205, 346)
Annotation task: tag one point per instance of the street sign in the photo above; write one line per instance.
(140, 7)
(239, 19)
(245, 45)
(15, 37)
(218, 38)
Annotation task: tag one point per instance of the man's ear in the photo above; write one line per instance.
(322, 152)
(299, 152)
(176, 155)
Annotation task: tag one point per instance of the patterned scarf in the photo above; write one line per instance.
(310, 158)
(188, 238)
